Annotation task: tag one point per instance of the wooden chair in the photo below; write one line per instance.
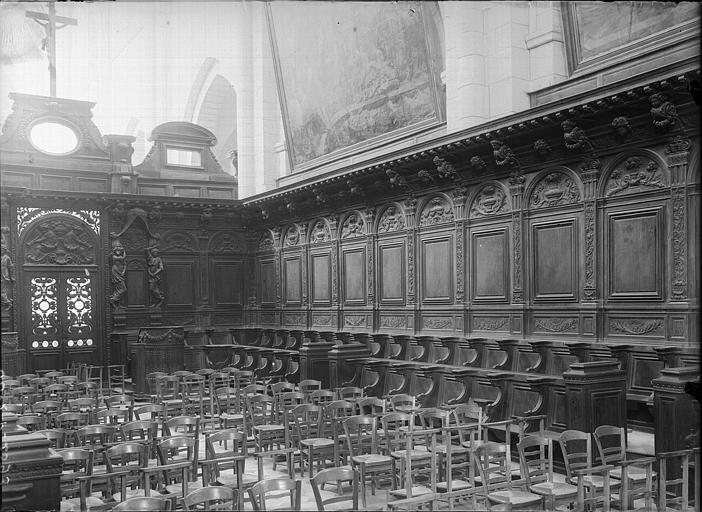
(178, 460)
(210, 498)
(57, 392)
(77, 463)
(402, 402)
(70, 422)
(150, 412)
(271, 439)
(322, 396)
(272, 494)
(307, 421)
(337, 476)
(536, 459)
(306, 386)
(226, 450)
(335, 413)
(496, 479)
(144, 432)
(96, 438)
(676, 471)
(361, 438)
(152, 384)
(372, 406)
(122, 401)
(415, 463)
(635, 475)
(229, 408)
(168, 394)
(350, 393)
(48, 409)
(195, 396)
(86, 405)
(593, 483)
(115, 416)
(285, 401)
(128, 459)
(142, 504)
(185, 426)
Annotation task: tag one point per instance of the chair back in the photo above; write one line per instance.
(152, 412)
(95, 437)
(402, 402)
(210, 498)
(306, 420)
(494, 467)
(338, 476)
(350, 393)
(322, 396)
(76, 463)
(32, 422)
(372, 405)
(182, 425)
(266, 491)
(576, 447)
(395, 426)
(144, 431)
(611, 444)
(536, 459)
(131, 456)
(55, 435)
(361, 434)
(306, 386)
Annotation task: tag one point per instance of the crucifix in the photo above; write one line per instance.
(51, 23)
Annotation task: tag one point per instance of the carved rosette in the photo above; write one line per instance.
(554, 189)
(635, 176)
(590, 291)
(491, 200)
(437, 211)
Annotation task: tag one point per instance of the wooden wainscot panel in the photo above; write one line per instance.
(228, 283)
(635, 255)
(391, 263)
(267, 280)
(326, 319)
(555, 324)
(295, 318)
(179, 283)
(554, 261)
(396, 321)
(489, 323)
(136, 284)
(354, 275)
(357, 321)
(647, 326)
(438, 323)
(437, 269)
(490, 269)
(292, 266)
(320, 264)
(268, 317)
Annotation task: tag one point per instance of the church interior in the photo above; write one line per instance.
(267, 255)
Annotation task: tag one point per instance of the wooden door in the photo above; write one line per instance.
(61, 316)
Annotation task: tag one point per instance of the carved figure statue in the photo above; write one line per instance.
(478, 163)
(621, 127)
(542, 147)
(7, 271)
(118, 275)
(155, 269)
(663, 113)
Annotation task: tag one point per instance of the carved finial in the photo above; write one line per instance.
(478, 164)
(575, 138)
(206, 216)
(503, 154)
(664, 115)
(445, 169)
(542, 148)
(621, 127)
(396, 179)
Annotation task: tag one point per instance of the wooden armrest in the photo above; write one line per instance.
(167, 467)
(641, 460)
(598, 469)
(104, 476)
(229, 458)
(422, 498)
(677, 453)
(275, 452)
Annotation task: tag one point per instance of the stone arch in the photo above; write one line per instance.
(391, 218)
(491, 198)
(631, 171)
(554, 186)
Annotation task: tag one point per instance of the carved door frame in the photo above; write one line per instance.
(65, 247)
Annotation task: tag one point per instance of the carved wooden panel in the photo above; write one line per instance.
(490, 265)
(136, 283)
(267, 276)
(292, 279)
(391, 262)
(321, 278)
(59, 240)
(227, 283)
(179, 285)
(554, 260)
(437, 269)
(354, 272)
(635, 255)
